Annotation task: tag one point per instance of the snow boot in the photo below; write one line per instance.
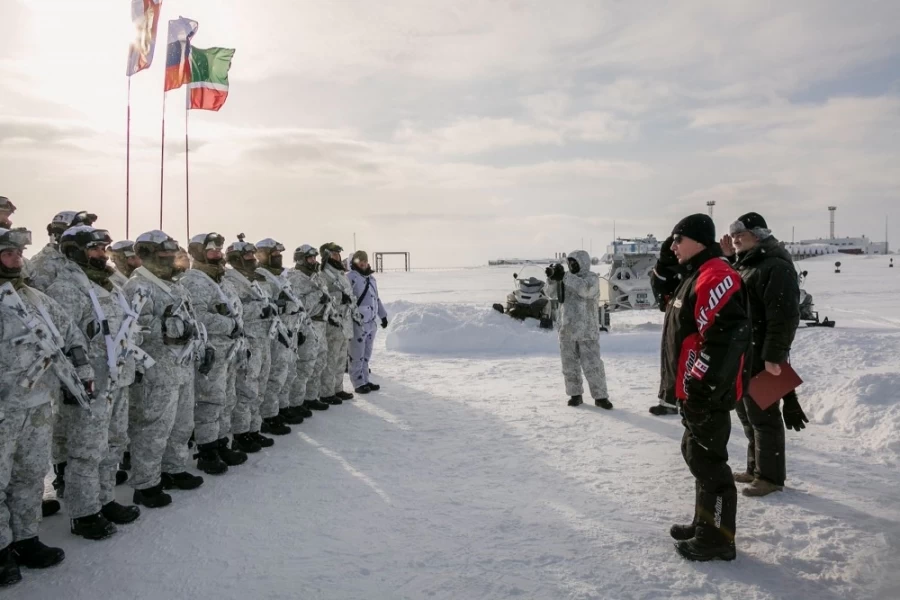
(93, 527)
(263, 441)
(760, 488)
(315, 405)
(274, 426)
(743, 478)
(302, 410)
(181, 481)
(121, 477)
(59, 482)
(125, 465)
(364, 389)
(332, 400)
(34, 554)
(683, 532)
(49, 507)
(661, 411)
(119, 514)
(603, 403)
(208, 459)
(9, 570)
(374, 387)
(290, 416)
(152, 497)
(342, 395)
(696, 551)
(576, 400)
(245, 442)
(229, 456)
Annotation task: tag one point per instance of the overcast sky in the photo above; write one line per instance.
(463, 130)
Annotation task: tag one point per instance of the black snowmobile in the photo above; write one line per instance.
(529, 301)
(807, 312)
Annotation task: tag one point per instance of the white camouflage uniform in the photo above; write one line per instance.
(338, 337)
(312, 355)
(579, 329)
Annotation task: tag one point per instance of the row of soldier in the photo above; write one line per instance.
(159, 361)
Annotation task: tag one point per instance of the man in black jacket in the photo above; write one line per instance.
(706, 345)
(664, 280)
(771, 282)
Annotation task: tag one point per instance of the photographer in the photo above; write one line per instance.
(579, 328)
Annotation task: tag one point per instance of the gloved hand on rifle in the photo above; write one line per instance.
(300, 338)
(384, 323)
(345, 299)
(207, 361)
(268, 312)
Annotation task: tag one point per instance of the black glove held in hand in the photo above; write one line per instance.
(300, 338)
(345, 299)
(558, 272)
(325, 299)
(794, 418)
(384, 323)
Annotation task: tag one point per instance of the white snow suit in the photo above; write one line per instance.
(338, 332)
(368, 302)
(311, 356)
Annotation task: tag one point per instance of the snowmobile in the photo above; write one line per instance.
(807, 312)
(529, 301)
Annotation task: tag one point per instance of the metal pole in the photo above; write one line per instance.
(128, 166)
(187, 167)
(162, 161)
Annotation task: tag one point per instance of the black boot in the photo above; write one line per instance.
(686, 532)
(694, 550)
(49, 507)
(208, 459)
(153, 497)
(274, 426)
(302, 410)
(660, 411)
(34, 554)
(331, 400)
(181, 481)
(374, 387)
(230, 457)
(121, 477)
(364, 389)
(714, 536)
(575, 400)
(59, 482)
(290, 416)
(125, 465)
(120, 515)
(245, 442)
(93, 527)
(9, 570)
(263, 441)
(315, 405)
(344, 395)
(603, 403)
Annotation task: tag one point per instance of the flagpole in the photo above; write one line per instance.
(162, 161)
(128, 166)
(187, 163)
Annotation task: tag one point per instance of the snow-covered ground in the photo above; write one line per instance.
(467, 477)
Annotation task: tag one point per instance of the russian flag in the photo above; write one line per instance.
(178, 52)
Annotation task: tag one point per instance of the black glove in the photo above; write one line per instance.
(549, 271)
(300, 338)
(667, 256)
(794, 417)
(138, 376)
(325, 299)
(384, 323)
(345, 299)
(558, 272)
(333, 323)
(208, 360)
(268, 312)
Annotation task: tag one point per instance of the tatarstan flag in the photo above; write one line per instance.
(209, 77)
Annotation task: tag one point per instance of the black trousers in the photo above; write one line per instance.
(765, 436)
(705, 450)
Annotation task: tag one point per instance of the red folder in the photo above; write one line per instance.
(767, 389)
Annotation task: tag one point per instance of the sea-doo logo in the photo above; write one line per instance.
(718, 519)
(715, 297)
(689, 365)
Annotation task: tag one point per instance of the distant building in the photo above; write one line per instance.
(848, 245)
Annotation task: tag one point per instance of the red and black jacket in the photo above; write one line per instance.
(706, 342)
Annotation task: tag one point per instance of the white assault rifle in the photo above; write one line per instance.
(49, 342)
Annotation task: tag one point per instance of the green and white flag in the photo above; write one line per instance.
(208, 87)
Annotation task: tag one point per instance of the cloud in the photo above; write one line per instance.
(474, 135)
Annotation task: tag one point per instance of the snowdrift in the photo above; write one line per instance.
(457, 329)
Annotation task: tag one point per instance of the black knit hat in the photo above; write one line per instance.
(699, 227)
(752, 222)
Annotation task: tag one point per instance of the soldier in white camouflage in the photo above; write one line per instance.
(7, 208)
(340, 326)
(47, 264)
(41, 350)
(161, 418)
(122, 255)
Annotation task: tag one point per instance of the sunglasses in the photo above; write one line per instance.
(677, 239)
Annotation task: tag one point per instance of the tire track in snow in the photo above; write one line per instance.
(347, 467)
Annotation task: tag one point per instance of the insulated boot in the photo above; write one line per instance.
(49, 507)
(59, 482)
(315, 405)
(93, 527)
(9, 570)
(120, 515)
(332, 400)
(229, 456)
(125, 465)
(152, 497)
(245, 442)
(603, 403)
(744, 478)
(34, 554)
(263, 441)
(693, 550)
(364, 389)
(344, 395)
(683, 532)
(274, 426)
(181, 481)
(576, 400)
(208, 459)
(290, 416)
(121, 477)
(760, 488)
(374, 387)
(302, 410)
(661, 411)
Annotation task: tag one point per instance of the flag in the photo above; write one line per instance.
(178, 52)
(145, 16)
(209, 77)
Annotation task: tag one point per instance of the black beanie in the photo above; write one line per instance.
(698, 227)
(752, 222)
